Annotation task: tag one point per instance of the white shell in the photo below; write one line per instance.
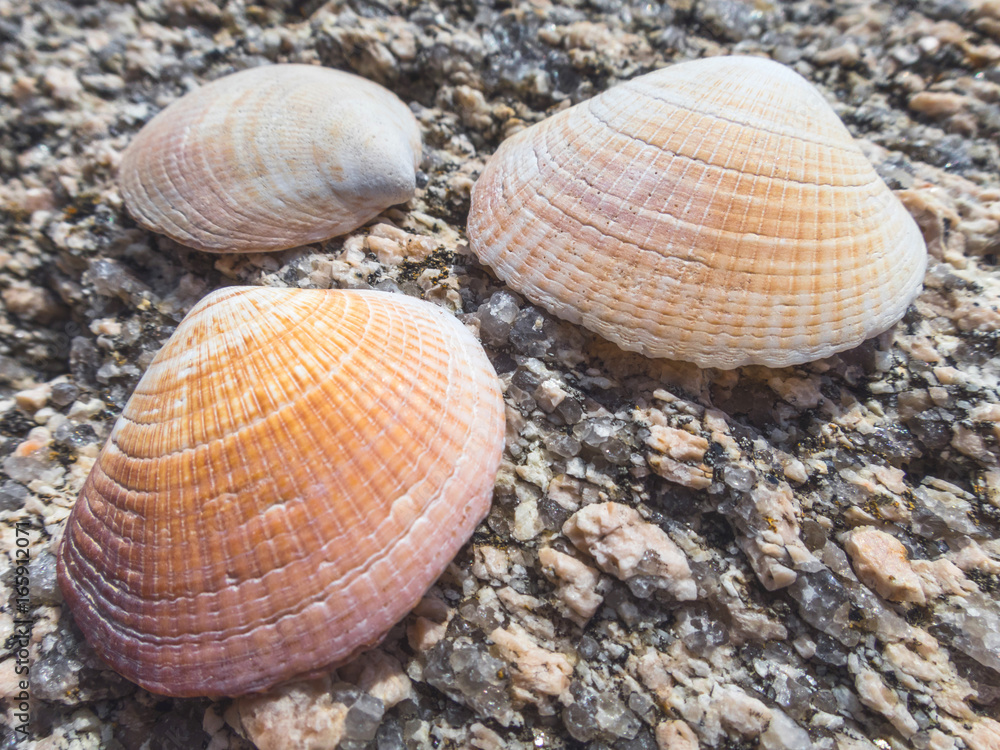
(271, 158)
(716, 211)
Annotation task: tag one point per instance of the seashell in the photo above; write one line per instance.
(716, 211)
(292, 473)
(271, 158)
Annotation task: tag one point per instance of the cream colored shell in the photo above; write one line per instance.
(271, 158)
(716, 211)
(292, 473)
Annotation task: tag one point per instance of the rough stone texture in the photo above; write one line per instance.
(776, 487)
(624, 545)
(880, 561)
(536, 670)
(577, 583)
(302, 715)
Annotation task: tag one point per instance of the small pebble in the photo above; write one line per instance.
(33, 399)
(528, 334)
(496, 317)
(64, 394)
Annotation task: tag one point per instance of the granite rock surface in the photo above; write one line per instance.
(676, 558)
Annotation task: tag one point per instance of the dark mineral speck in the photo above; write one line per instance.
(594, 433)
(641, 705)
(43, 587)
(644, 587)
(643, 740)
(526, 379)
(363, 718)
(12, 495)
(178, 730)
(616, 451)
(587, 647)
(389, 736)
(829, 651)
(74, 436)
(580, 719)
(823, 700)
(84, 359)
(792, 695)
(566, 446)
(568, 411)
(931, 430)
(614, 718)
(553, 514)
(529, 335)
(825, 603)
(389, 286)
(738, 478)
(54, 676)
(112, 279)
(64, 394)
(469, 674)
(496, 316)
(700, 631)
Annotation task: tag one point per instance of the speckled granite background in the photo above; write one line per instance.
(839, 520)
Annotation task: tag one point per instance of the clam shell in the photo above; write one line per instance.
(292, 473)
(716, 211)
(271, 158)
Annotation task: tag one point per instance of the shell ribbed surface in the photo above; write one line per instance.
(716, 211)
(271, 158)
(292, 473)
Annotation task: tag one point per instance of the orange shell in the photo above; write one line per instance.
(716, 211)
(292, 473)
